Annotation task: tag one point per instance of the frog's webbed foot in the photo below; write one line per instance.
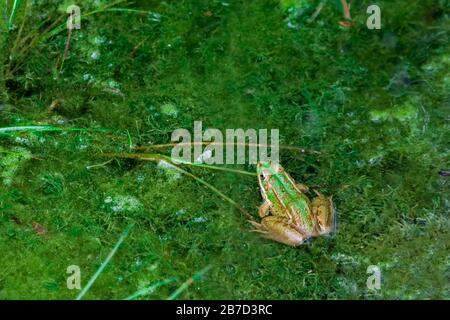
(324, 212)
(264, 209)
(278, 229)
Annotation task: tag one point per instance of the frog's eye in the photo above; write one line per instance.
(265, 174)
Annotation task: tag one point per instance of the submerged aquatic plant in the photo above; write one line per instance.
(18, 46)
(233, 64)
(105, 263)
(11, 160)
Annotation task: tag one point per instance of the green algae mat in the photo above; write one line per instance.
(352, 97)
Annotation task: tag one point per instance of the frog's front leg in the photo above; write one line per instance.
(264, 209)
(324, 213)
(278, 229)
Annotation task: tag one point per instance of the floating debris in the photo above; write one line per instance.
(23, 141)
(122, 204)
(180, 212)
(376, 160)
(200, 220)
(39, 228)
(95, 55)
(82, 144)
(169, 109)
(154, 17)
(170, 169)
(88, 77)
(140, 179)
(165, 164)
(112, 87)
(444, 173)
(99, 40)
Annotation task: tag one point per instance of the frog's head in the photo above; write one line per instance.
(266, 169)
(324, 210)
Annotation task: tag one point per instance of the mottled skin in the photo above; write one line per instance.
(288, 216)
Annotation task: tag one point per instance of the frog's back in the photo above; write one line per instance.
(287, 193)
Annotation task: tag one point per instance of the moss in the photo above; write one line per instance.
(169, 109)
(11, 161)
(373, 102)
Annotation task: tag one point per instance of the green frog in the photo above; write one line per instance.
(288, 215)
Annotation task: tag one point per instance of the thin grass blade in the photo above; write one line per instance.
(188, 282)
(105, 263)
(15, 8)
(150, 289)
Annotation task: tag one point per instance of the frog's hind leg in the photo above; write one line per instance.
(278, 229)
(324, 213)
